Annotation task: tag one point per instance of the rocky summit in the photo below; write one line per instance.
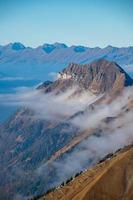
(100, 76)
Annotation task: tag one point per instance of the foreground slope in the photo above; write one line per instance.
(112, 179)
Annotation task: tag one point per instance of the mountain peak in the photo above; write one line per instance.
(60, 45)
(17, 46)
(48, 48)
(79, 49)
(110, 48)
(99, 76)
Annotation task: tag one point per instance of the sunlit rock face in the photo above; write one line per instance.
(99, 77)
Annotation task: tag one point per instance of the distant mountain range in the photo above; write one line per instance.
(38, 63)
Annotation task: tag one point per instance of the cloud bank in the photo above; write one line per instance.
(50, 106)
(110, 137)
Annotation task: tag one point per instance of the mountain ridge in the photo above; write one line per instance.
(40, 61)
(92, 184)
(64, 45)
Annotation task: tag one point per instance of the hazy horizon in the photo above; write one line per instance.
(68, 45)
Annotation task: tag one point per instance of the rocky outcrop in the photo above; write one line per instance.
(100, 76)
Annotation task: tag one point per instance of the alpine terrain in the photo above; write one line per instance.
(66, 127)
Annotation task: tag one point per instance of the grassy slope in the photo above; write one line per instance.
(109, 180)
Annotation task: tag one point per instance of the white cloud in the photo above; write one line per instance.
(50, 106)
(54, 75)
(114, 135)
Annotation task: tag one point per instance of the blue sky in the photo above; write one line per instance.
(85, 22)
